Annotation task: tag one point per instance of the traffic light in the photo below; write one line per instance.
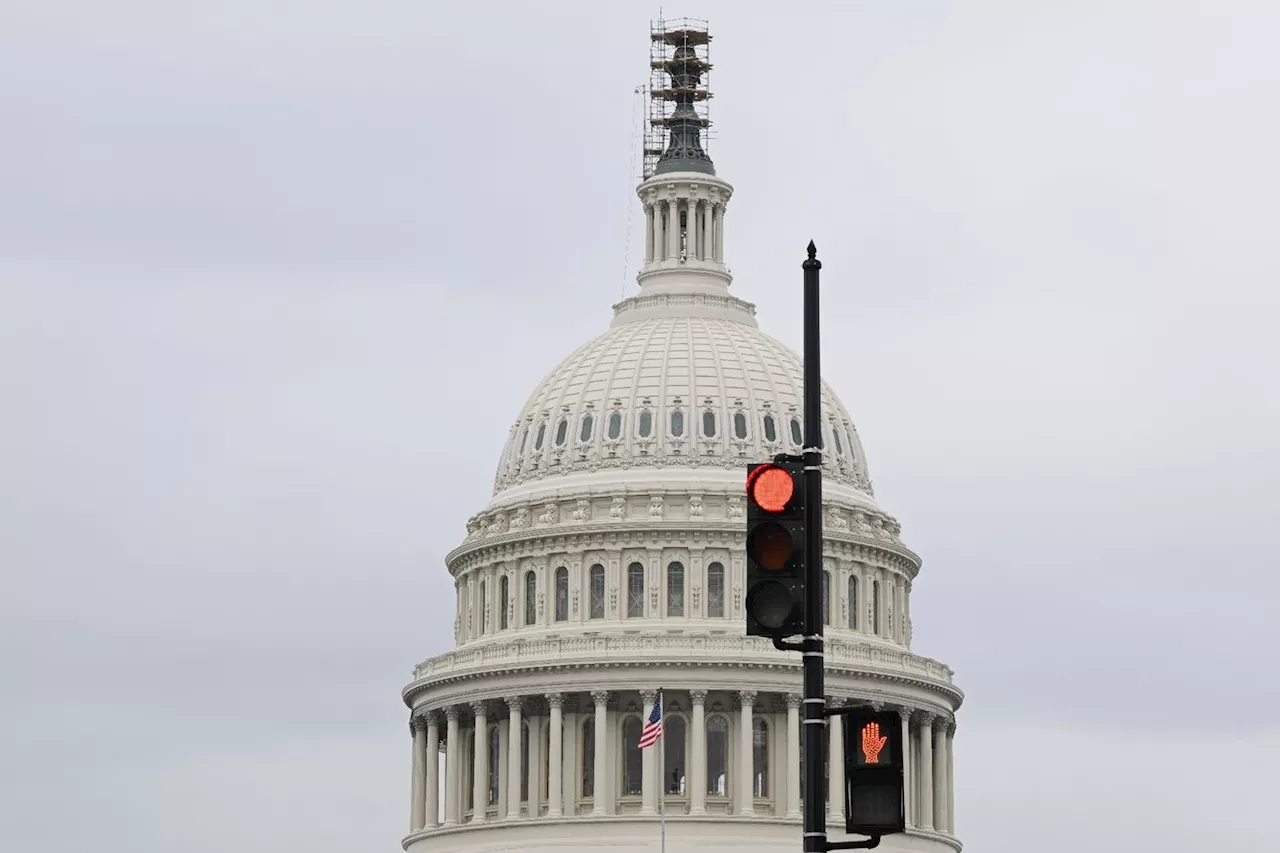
(873, 773)
(775, 549)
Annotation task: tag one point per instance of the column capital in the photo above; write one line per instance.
(451, 713)
(416, 724)
(941, 727)
(698, 697)
(480, 708)
(951, 726)
(555, 700)
(926, 718)
(747, 697)
(905, 713)
(600, 697)
(649, 696)
(515, 703)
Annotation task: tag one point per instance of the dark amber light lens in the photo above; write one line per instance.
(770, 546)
(770, 604)
(772, 488)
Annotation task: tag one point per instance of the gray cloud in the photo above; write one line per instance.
(276, 281)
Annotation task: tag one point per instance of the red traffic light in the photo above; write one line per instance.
(771, 488)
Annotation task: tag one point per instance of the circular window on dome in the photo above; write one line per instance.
(797, 434)
(677, 423)
(739, 425)
(542, 433)
(646, 423)
(562, 432)
(835, 435)
(588, 422)
(615, 426)
(709, 424)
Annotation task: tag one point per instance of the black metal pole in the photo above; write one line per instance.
(815, 721)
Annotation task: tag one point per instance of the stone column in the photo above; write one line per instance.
(746, 755)
(480, 766)
(719, 232)
(433, 771)
(418, 777)
(659, 231)
(908, 769)
(600, 771)
(940, 776)
(648, 757)
(504, 750)
(452, 778)
(555, 760)
(514, 727)
(835, 765)
(673, 229)
(951, 777)
(793, 754)
(704, 244)
(926, 771)
(697, 769)
(648, 233)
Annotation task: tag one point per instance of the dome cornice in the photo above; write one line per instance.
(744, 661)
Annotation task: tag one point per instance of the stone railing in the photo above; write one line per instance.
(651, 648)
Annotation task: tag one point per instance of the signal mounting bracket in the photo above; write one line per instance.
(783, 645)
(867, 844)
(783, 458)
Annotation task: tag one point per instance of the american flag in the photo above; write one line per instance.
(652, 729)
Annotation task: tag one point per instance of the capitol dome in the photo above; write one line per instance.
(608, 568)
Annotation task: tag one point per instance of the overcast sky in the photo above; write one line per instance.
(276, 278)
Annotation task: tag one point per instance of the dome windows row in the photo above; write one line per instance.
(772, 429)
(867, 600)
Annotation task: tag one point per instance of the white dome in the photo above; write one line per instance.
(675, 384)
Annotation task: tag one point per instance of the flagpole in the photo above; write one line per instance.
(662, 772)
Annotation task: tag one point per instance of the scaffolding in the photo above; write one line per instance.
(679, 72)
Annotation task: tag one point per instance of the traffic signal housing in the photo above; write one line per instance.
(775, 549)
(873, 771)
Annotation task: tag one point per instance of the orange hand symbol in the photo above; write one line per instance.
(872, 742)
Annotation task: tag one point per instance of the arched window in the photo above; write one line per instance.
(588, 753)
(797, 434)
(635, 590)
(770, 428)
(542, 434)
(826, 597)
(524, 440)
(739, 425)
(597, 592)
(646, 423)
(875, 607)
(562, 432)
(673, 745)
(677, 423)
(675, 589)
(615, 425)
(835, 436)
(853, 602)
(504, 599)
(495, 763)
(632, 758)
(717, 756)
(888, 606)
(760, 756)
(530, 597)
(524, 761)
(715, 590)
(562, 594)
(709, 424)
(484, 601)
(587, 423)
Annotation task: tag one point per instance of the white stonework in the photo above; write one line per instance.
(610, 565)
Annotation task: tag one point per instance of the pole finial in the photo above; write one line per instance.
(812, 263)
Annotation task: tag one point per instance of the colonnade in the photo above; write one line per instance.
(699, 237)
(576, 754)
